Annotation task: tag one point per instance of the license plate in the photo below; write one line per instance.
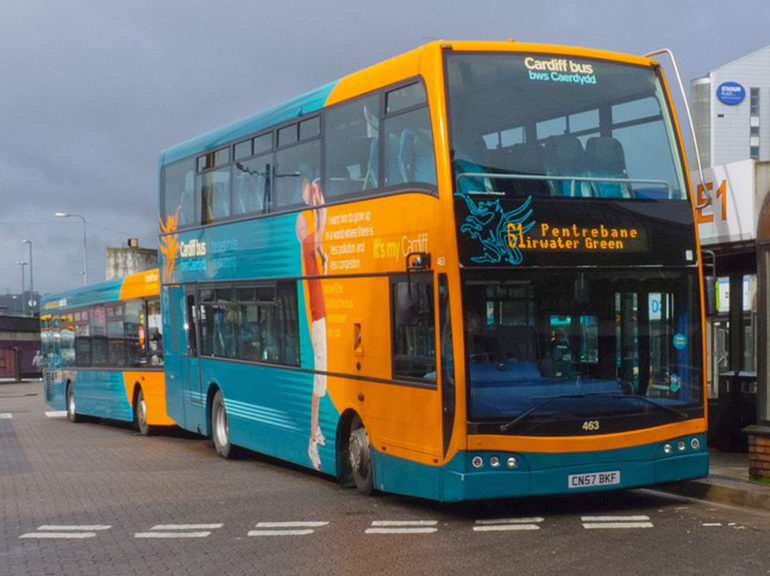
(593, 479)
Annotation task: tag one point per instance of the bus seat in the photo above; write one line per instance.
(370, 179)
(564, 156)
(605, 158)
(529, 159)
(415, 156)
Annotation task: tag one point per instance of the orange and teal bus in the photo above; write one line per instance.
(470, 271)
(103, 352)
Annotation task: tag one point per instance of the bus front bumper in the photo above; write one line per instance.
(540, 474)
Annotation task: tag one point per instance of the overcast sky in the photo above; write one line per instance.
(92, 90)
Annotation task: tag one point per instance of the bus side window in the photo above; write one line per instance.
(154, 333)
(351, 147)
(414, 332)
(179, 193)
(190, 325)
(294, 165)
(409, 152)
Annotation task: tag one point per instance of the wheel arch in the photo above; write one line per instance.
(342, 443)
(211, 391)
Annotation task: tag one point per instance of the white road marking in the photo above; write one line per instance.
(492, 521)
(6, 416)
(280, 532)
(58, 535)
(291, 528)
(291, 524)
(401, 530)
(402, 527)
(712, 524)
(179, 531)
(172, 534)
(404, 522)
(186, 526)
(615, 525)
(508, 524)
(615, 522)
(68, 531)
(56, 413)
(614, 518)
(63, 527)
(506, 527)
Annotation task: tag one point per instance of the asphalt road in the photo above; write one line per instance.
(97, 498)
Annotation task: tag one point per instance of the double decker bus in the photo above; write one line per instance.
(102, 351)
(470, 271)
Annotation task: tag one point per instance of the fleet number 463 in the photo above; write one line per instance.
(591, 425)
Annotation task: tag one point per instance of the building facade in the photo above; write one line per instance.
(731, 110)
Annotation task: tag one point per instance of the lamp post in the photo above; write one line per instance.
(23, 289)
(85, 248)
(32, 303)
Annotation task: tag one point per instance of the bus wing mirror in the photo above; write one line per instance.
(710, 295)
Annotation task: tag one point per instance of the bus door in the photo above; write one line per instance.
(410, 412)
(191, 363)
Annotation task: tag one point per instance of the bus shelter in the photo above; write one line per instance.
(728, 202)
(759, 434)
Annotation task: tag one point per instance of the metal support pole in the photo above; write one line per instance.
(32, 303)
(23, 289)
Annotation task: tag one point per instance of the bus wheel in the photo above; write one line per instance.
(140, 415)
(72, 414)
(360, 457)
(220, 428)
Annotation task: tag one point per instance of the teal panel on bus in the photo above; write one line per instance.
(250, 249)
(269, 410)
(108, 291)
(298, 106)
(102, 393)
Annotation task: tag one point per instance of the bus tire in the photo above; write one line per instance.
(360, 457)
(72, 414)
(140, 414)
(220, 428)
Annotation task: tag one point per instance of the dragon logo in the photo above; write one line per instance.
(488, 224)
(169, 245)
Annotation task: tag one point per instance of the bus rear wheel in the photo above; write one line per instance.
(360, 457)
(72, 414)
(220, 428)
(140, 415)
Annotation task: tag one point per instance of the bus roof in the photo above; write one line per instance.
(137, 285)
(316, 99)
(303, 104)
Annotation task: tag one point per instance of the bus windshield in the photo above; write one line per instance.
(562, 345)
(545, 125)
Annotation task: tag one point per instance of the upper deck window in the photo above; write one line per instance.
(178, 201)
(547, 125)
(406, 97)
(409, 152)
(352, 147)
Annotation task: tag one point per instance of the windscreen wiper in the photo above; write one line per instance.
(526, 413)
(681, 414)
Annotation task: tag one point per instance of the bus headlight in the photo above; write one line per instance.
(511, 462)
(681, 445)
(477, 462)
(667, 449)
(695, 444)
(494, 462)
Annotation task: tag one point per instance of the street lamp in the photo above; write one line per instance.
(32, 303)
(23, 289)
(85, 248)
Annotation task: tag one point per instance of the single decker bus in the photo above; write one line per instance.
(467, 272)
(102, 352)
